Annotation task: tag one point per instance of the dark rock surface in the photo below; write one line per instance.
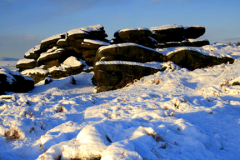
(11, 81)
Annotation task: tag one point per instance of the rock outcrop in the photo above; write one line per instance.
(133, 53)
(177, 35)
(81, 43)
(118, 64)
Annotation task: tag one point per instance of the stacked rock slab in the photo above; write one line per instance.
(192, 60)
(81, 43)
(11, 81)
(118, 64)
(176, 35)
(140, 36)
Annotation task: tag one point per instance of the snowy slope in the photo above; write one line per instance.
(176, 114)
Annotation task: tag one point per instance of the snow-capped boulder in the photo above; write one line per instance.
(26, 64)
(33, 53)
(133, 33)
(140, 36)
(111, 75)
(168, 33)
(11, 81)
(128, 52)
(37, 74)
(51, 41)
(192, 60)
(194, 31)
(51, 58)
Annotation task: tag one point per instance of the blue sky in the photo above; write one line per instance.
(24, 23)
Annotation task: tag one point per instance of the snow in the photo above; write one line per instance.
(188, 115)
(97, 27)
(25, 61)
(98, 42)
(85, 30)
(51, 52)
(217, 50)
(197, 40)
(71, 62)
(165, 27)
(54, 68)
(36, 70)
(76, 31)
(156, 65)
(9, 63)
(31, 51)
(54, 37)
(123, 45)
(132, 29)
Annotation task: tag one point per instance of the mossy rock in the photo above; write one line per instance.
(194, 32)
(192, 60)
(129, 52)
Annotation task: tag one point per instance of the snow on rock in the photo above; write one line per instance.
(218, 50)
(132, 29)
(36, 70)
(165, 27)
(97, 27)
(76, 31)
(197, 40)
(25, 61)
(71, 62)
(123, 45)
(54, 37)
(98, 42)
(156, 65)
(55, 68)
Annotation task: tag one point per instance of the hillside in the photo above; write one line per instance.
(174, 114)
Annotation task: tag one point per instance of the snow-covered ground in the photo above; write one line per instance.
(9, 63)
(175, 114)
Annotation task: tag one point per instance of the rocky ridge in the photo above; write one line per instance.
(131, 55)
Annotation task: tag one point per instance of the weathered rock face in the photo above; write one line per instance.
(177, 35)
(14, 81)
(115, 76)
(192, 60)
(26, 64)
(128, 52)
(140, 36)
(117, 65)
(81, 43)
(187, 43)
(168, 33)
(194, 31)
